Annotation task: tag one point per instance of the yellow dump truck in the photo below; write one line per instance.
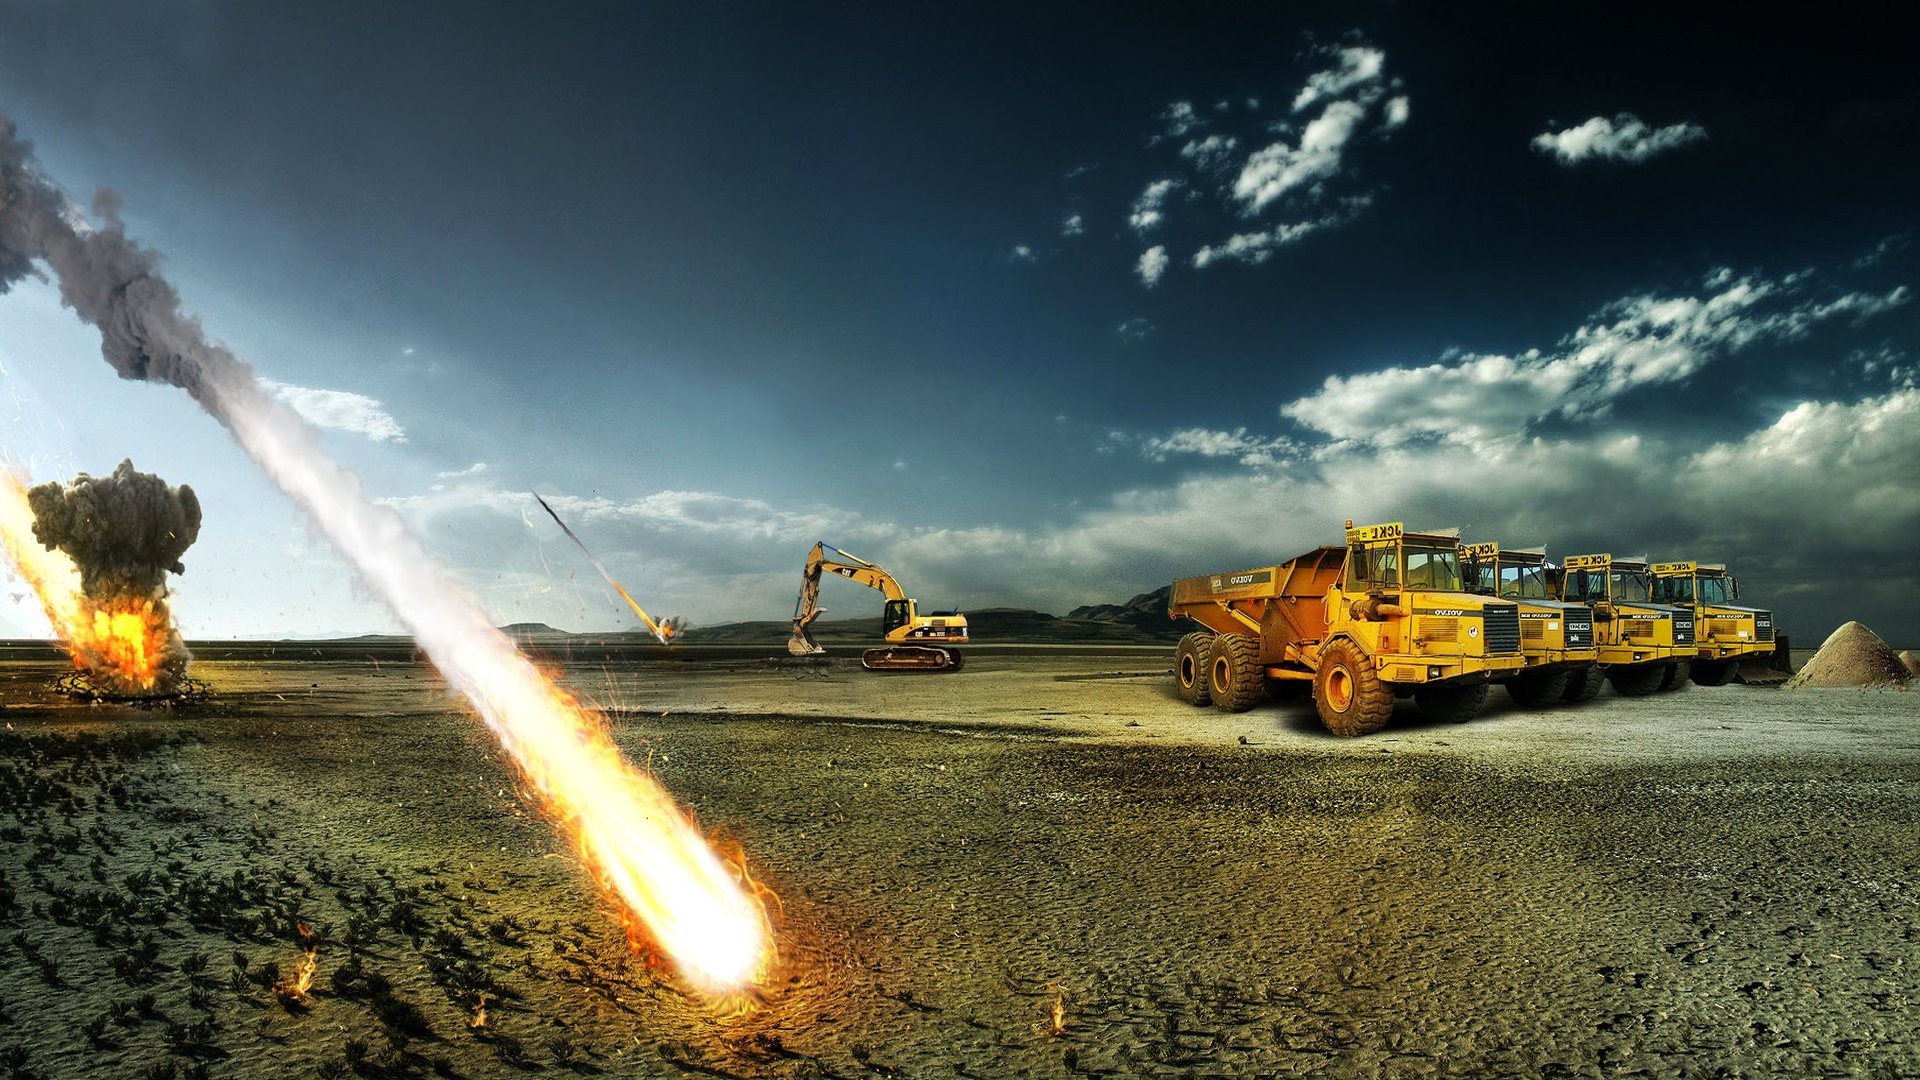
(1556, 636)
(1642, 645)
(1724, 633)
(1385, 616)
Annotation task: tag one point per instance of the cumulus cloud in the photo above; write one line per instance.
(1072, 225)
(1624, 138)
(1134, 331)
(474, 469)
(1211, 153)
(1278, 168)
(1145, 213)
(339, 410)
(1177, 120)
(1485, 401)
(1153, 263)
(1354, 67)
(1252, 248)
(1398, 109)
(1021, 253)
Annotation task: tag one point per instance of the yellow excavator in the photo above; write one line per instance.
(915, 642)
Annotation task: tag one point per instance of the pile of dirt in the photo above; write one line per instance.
(1853, 656)
(1911, 659)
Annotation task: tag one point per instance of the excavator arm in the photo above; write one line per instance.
(807, 607)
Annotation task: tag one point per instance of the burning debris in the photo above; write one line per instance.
(637, 842)
(663, 631)
(124, 533)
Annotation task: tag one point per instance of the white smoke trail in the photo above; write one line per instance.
(629, 829)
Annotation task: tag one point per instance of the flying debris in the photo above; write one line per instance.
(634, 838)
(123, 534)
(664, 631)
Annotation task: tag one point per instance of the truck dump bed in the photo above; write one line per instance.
(1284, 604)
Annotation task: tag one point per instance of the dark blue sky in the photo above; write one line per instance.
(723, 283)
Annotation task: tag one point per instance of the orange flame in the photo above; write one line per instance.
(121, 642)
(295, 988)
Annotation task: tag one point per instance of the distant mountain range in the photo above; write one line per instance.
(1140, 621)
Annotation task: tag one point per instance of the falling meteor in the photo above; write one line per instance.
(639, 844)
(663, 632)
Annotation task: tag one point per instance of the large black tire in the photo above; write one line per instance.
(1539, 689)
(1446, 704)
(1235, 677)
(1583, 684)
(1638, 680)
(1676, 675)
(1190, 667)
(1713, 672)
(1348, 693)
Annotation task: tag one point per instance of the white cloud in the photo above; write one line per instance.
(1072, 225)
(474, 469)
(1145, 213)
(1134, 330)
(1398, 110)
(1624, 138)
(1177, 120)
(1249, 450)
(1485, 402)
(1357, 66)
(1210, 153)
(1021, 253)
(1276, 169)
(1153, 263)
(338, 410)
(1253, 248)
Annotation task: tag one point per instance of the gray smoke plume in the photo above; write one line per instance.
(124, 532)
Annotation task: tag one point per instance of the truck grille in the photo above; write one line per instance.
(1763, 626)
(1683, 628)
(1502, 628)
(1579, 628)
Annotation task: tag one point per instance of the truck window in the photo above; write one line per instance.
(1586, 586)
(1630, 585)
(1429, 568)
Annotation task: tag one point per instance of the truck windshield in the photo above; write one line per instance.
(1480, 577)
(1673, 590)
(1718, 590)
(1630, 585)
(1524, 582)
(1433, 568)
(1586, 586)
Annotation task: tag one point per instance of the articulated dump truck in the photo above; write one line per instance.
(1643, 646)
(1386, 616)
(1556, 636)
(1728, 639)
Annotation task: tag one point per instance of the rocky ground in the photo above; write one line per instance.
(1045, 865)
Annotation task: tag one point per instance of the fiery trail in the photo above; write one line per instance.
(662, 632)
(52, 575)
(633, 836)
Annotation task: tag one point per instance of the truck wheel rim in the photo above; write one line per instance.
(1222, 673)
(1186, 671)
(1339, 689)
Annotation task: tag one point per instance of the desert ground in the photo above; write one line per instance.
(1044, 865)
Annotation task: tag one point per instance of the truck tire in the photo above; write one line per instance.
(1583, 684)
(1713, 672)
(1539, 689)
(1445, 704)
(1348, 693)
(1638, 680)
(1235, 677)
(1676, 675)
(1190, 667)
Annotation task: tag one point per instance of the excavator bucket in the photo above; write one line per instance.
(1774, 667)
(801, 643)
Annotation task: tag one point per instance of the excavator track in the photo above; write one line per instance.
(911, 658)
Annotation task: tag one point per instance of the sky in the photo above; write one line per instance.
(1036, 306)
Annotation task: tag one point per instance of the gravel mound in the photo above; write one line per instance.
(1853, 656)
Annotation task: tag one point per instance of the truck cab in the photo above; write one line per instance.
(1556, 636)
(1726, 632)
(1642, 645)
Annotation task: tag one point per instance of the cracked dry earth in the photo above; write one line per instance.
(1045, 865)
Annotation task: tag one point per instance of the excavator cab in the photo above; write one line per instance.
(898, 614)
